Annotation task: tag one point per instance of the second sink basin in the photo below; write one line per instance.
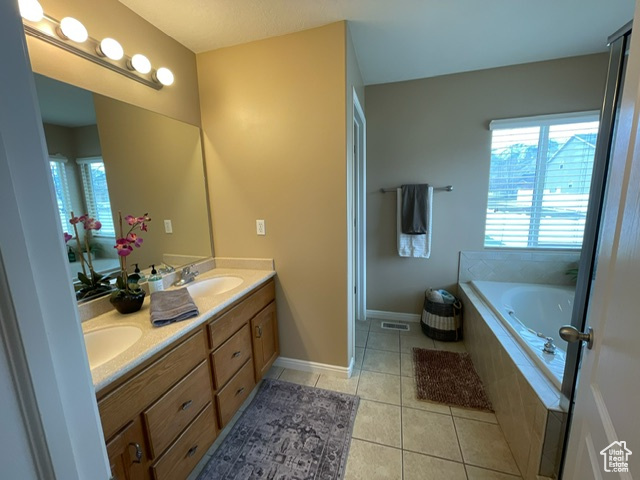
(214, 286)
(106, 343)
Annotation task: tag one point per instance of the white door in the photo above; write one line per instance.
(360, 212)
(605, 431)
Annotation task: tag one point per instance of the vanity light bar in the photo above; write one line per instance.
(49, 30)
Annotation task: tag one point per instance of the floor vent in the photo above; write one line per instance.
(395, 326)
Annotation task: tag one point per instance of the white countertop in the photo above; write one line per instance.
(155, 339)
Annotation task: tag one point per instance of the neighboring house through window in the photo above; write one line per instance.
(96, 194)
(539, 180)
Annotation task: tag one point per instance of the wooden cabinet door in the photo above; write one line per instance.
(264, 327)
(128, 454)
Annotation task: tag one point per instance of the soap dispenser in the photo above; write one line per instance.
(155, 281)
(141, 276)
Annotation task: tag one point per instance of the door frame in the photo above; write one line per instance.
(360, 207)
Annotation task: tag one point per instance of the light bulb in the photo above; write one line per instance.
(31, 10)
(110, 48)
(140, 63)
(164, 76)
(73, 30)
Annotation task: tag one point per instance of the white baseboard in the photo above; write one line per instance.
(315, 367)
(401, 317)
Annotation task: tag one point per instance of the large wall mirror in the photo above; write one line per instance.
(107, 157)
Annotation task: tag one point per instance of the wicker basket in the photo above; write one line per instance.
(442, 321)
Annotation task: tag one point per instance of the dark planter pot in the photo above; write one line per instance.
(127, 303)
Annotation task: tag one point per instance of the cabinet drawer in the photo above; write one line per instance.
(188, 449)
(128, 400)
(229, 323)
(228, 359)
(235, 392)
(167, 417)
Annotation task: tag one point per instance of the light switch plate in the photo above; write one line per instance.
(260, 228)
(168, 228)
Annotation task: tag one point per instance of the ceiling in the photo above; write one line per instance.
(399, 40)
(63, 104)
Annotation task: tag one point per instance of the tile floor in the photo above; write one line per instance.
(396, 436)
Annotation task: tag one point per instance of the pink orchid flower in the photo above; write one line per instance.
(92, 224)
(123, 247)
(130, 219)
(67, 237)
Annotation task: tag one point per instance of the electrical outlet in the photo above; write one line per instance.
(260, 228)
(168, 228)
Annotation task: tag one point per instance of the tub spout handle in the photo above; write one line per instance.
(549, 347)
(572, 334)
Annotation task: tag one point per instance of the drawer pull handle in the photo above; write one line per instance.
(192, 451)
(138, 452)
(258, 331)
(236, 354)
(187, 404)
(240, 390)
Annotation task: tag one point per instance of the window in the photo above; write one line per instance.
(539, 180)
(96, 194)
(61, 187)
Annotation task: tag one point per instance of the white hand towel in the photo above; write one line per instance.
(416, 246)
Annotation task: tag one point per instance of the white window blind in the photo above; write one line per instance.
(96, 194)
(61, 187)
(539, 180)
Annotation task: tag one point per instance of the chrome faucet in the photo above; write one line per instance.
(549, 347)
(166, 269)
(187, 275)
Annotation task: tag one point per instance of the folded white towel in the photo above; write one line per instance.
(417, 246)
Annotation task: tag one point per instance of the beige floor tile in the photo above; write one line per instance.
(475, 473)
(274, 372)
(380, 387)
(359, 358)
(423, 467)
(474, 414)
(484, 445)
(414, 329)
(429, 433)
(450, 346)
(301, 378)
(361, 338)
(368, 461)
(339, 384)
(363, 325)
(407, 342)
(409, 398)
(379, 423)
(384, 341)
(381, 361)
(406, 365)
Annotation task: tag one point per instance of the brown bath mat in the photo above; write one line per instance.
(449, 377)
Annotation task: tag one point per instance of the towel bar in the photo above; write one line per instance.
(448, 188)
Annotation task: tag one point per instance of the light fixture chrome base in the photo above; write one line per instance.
(87, 51)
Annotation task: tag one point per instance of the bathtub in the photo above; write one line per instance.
(532, 312)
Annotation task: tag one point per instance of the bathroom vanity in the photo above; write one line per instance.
(163, 413)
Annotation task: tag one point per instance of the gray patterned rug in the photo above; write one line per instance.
(289, 432)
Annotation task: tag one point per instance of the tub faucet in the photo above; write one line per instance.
(187, 276)
(549, 347)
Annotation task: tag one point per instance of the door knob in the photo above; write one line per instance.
(572, 334)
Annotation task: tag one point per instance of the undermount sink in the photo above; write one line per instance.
(106, 343)
(214, 286)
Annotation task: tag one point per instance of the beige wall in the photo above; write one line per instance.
(273, 115)
(436, 131)
(110, 18)
(154, 165)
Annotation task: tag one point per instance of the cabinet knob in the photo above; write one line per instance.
(258, 331)
(187, 404)
(138, 457)
(236, 354)
(192, 451)
(240, 390)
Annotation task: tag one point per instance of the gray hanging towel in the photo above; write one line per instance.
(415, 209)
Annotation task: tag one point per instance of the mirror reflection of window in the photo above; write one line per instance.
(61, 186)
(96, 194)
